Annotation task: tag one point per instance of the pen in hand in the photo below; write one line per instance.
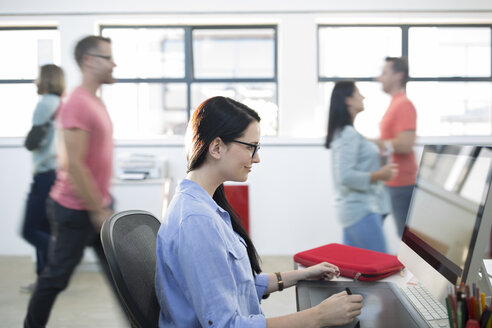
(349, 292)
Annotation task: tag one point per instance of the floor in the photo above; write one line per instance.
(88, 301)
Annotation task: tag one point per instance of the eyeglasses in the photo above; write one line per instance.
(255, 147)
(110, 58)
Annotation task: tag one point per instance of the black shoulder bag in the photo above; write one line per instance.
(37, 134)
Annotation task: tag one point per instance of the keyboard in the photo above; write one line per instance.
(429, 308)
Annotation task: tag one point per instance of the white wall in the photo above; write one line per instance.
(226, 6)
(291, 204)
(291, 198)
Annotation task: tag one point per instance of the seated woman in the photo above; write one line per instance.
(358, 177)
(208, 272)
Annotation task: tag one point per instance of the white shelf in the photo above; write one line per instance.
(119, 182)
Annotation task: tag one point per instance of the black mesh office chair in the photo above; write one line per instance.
(129, 241)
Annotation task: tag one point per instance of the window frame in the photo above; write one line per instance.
(189, 79)
(23, 28)
(405, 53)
(23, 81)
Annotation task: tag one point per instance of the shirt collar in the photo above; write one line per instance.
(399, 94)
(194, 189)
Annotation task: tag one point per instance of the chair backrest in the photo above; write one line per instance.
(129, 242)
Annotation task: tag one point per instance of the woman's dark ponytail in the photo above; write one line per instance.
(221, 200)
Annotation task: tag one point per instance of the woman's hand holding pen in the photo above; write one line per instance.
(339, 309)
(323, 271)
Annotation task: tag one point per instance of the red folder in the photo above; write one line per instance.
(352, 261)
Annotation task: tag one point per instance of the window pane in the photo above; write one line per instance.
(237, 53)
(452, 108)
(147, 52)
(259, 96)
(26, 51)
(375, 105)
(19, 100)
(146, 110)
(356, 51)
(445, 52)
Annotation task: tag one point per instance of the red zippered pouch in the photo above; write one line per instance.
(352, 261)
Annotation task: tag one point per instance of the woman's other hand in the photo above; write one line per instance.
(322, 271)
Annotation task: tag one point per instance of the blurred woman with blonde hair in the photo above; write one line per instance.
(35, 229)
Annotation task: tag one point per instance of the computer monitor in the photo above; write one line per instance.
(449, 219)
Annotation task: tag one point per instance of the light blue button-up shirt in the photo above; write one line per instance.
(353, 159)
(203, 274)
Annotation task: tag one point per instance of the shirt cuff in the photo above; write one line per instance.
(261, 284)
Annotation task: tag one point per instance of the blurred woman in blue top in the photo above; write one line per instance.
(36, 230)
(208, 273)
(361, 196)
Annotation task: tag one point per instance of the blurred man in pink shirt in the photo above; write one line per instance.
(80, 199)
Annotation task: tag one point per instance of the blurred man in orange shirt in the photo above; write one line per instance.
(397, 139)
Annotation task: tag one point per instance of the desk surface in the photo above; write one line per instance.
(384, 306)
(311, 293)
(401, 279)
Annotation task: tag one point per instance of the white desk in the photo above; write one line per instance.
(405, 277)
(401, 279)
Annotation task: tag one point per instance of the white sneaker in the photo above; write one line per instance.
(28, 288)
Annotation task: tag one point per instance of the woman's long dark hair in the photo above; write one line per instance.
(227, 119)
(339, 113)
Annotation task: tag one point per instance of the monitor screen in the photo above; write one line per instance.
(447, 207)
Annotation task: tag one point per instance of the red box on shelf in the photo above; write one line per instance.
(238, 197)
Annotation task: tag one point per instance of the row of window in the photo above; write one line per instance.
(164, 72)
(450, 71)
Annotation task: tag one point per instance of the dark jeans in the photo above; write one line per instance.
(400, 202)
(72, 231)
(36, 228)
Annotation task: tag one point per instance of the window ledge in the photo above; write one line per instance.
(461, 140)
(178, 141)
